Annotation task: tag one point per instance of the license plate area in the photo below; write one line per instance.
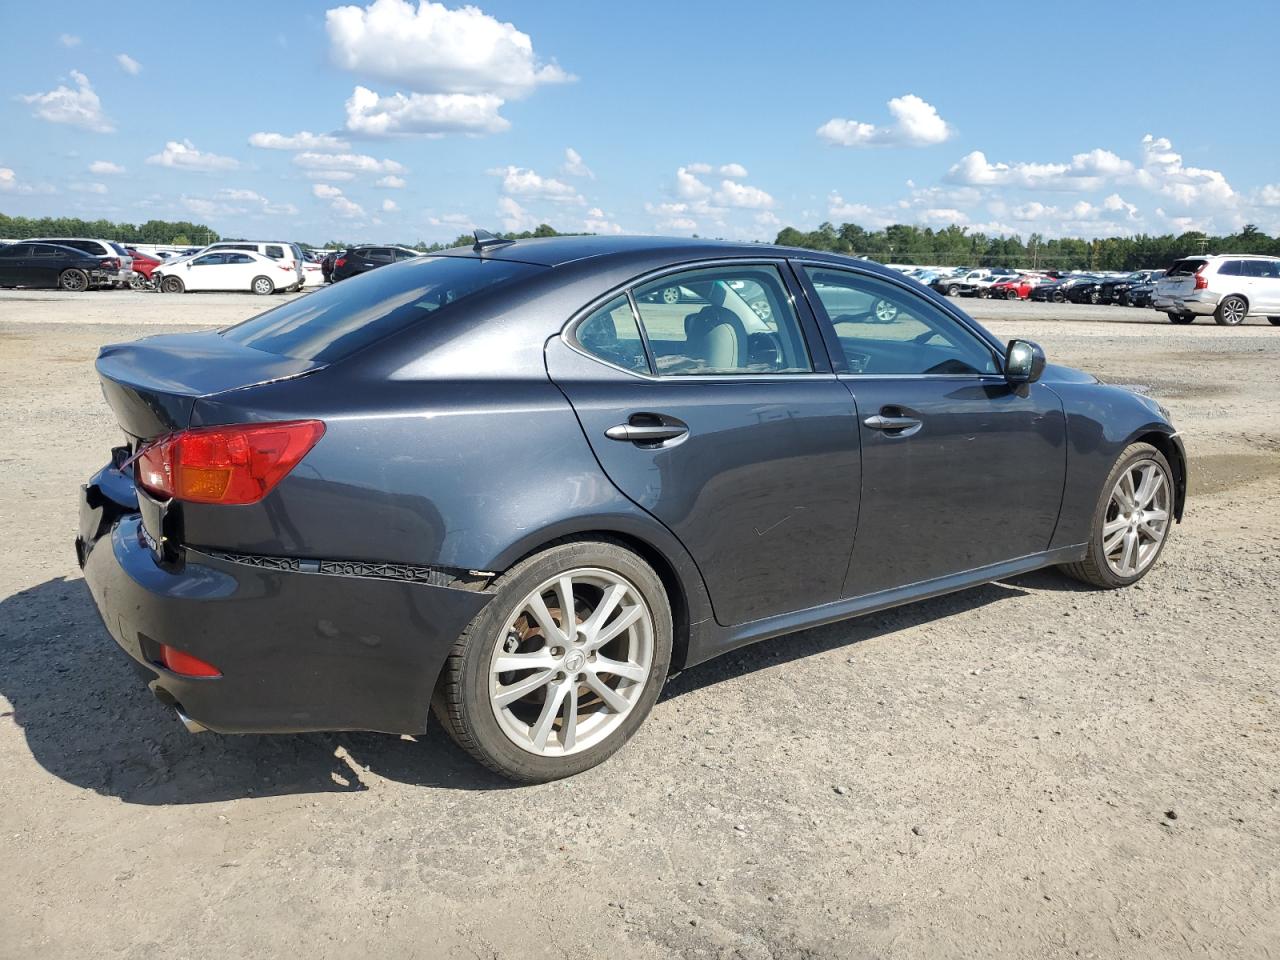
(160, 520)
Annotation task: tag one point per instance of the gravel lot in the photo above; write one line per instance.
(1027, 769)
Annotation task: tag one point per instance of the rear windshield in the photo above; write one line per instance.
(335, 322)
(1185, 268)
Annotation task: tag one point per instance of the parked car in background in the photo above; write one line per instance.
(1018, 288)
(357, 260)
(326, 266)
(29, 263)
(1115, 289)
(279, 251)
(1084, 289)
(227, 270)
(143, 266)
(1228, 287)
(337, 516)
(312, 273)
(102, 250)
(1139, 295)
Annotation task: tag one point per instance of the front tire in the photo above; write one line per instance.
(73, 281)
(172, 285)
(262, 286)
(1131, 522)
(1274, 321)
(1231, 311)
(952, 290)
(534, 701)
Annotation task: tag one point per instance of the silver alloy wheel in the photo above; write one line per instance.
(671, 295)
(1137, 518)
(262, 286)
(1233, 310)
(74, 281)
(762, 309)
(560, 684)
(885, 311)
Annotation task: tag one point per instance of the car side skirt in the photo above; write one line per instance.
(712, 641)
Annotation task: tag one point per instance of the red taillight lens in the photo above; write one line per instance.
(184, 663)
(1202, 282)
(110, 263)
(340, 262)
(230, 465)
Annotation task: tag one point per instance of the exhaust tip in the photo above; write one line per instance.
(193, 726)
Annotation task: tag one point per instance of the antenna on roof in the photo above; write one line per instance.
(485, 239)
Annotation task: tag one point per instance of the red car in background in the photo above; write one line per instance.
(1018, 289)
(144, 263)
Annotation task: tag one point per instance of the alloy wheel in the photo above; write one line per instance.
(886, 312)
(671, 295)
(74, 281)
(1137, 518)
(762, 309)
(1233, 311)
(571, 662)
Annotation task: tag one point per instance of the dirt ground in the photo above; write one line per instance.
(1027, 769)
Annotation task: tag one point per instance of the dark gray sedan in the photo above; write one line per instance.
(520, 485)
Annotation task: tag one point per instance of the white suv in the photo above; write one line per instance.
(1229, 286)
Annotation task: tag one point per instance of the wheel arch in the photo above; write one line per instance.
(1171, 447)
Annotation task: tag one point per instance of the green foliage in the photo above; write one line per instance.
(180, 233)
(954, 246)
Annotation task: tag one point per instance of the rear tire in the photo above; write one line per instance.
(952, 290)
(173, 285)
(1181, 318)
(73, 281)
(262, 286)
(1231, 311)
(1274, 321)
(1096, 569)
(504, 735)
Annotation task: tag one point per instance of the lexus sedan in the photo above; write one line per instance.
(510, 485)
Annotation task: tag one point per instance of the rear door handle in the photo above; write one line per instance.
(894, 426)
(657, 433)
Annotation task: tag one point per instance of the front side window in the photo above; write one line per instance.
(1232, 268)
(885, 329)
(736, 319)
(611, 334)
(1262, 269)
(210, 260)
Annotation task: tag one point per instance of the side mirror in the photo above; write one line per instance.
(1023, 361)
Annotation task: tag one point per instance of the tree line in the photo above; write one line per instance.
(179, 233)
(954, 246)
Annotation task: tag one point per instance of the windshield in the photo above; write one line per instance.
(335, 322)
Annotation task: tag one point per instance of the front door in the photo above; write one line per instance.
(723, 424)
(960, 469)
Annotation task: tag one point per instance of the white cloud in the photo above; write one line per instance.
(105, 168)
(98, 188)
(329, 175)
(519, 181)
(9, 183)
(389, 206)
(672, 216)
(838, 208)
(183, 155)
(79, 107)
(303, 140)
(735, 170)
(1086, 171)
(741, 195)
(1163, 172)
(430, 48)
(353, 162)
(574, 165)
(1269, 195)
(515, 218)
(238, 194)
(390, 182)
(597, 221)
(69, 40)
(426, 114)
(451, 220)
(339, 203)
(689, 186)
(325, 191)
(236, 202)
(128, 64)
(915, 124)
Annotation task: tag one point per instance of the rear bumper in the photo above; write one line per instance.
(297, 651)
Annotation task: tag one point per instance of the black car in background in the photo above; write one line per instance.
(357, 260)
(326, 266)
(27, 264)
(1116, 289)
(509, 484)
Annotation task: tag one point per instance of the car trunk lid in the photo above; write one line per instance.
(152, 384)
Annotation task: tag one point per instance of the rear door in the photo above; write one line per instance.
(724, 420)
(960, 469)
(1262, 278)
(12, 263)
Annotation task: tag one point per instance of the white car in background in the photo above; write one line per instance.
(312, 273)
(281, 251)
(226, 270)
(1228, 287)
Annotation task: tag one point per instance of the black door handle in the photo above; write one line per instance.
(656, 433)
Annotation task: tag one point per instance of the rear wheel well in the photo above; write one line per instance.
(661, 566)
(1163, 443)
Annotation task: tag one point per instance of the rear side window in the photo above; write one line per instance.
(1185, 268)
(274, 252)
(335, 322)
(612, 335)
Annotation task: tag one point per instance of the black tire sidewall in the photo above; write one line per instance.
(1132, 454)
(488, 741)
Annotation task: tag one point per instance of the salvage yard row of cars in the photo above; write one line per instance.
(1227, 287)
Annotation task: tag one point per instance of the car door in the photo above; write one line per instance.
(960, 469)
(44, 263)
(12, 264)
(724, 421)
(208, 272)
(1262, 285)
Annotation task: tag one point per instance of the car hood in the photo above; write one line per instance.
(1055, 373)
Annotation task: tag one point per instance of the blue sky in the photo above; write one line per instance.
(724, 119)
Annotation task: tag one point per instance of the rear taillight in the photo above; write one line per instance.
(340, 262)
(286, 269)
(1202, 282)
(230, 464)
(110, 263)
(184, 663)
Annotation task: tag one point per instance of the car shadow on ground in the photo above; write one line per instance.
(91, 722)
